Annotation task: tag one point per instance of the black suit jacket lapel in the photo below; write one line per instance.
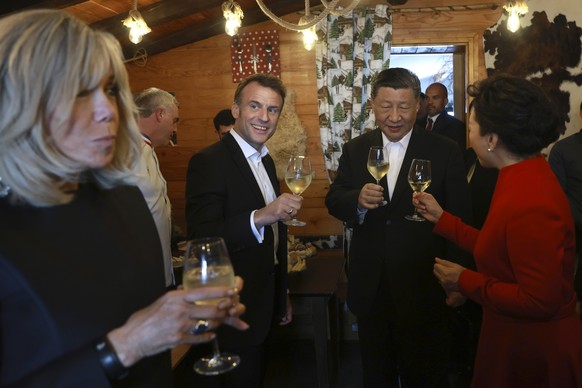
(377, 140)
(272, 172)
(243, 166)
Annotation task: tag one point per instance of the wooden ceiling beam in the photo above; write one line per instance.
(158, 13)
(208, 29)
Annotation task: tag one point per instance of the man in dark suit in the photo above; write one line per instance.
(232, 191)
(400, 307)
(438, 120)
(566, 162)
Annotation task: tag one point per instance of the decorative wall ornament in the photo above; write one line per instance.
(290, 138)
(352, 49)
(255, 52)
(547, 50)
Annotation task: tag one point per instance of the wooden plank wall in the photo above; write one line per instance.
(200, 75)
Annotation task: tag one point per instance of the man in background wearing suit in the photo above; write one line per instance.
(566, 162)
(223, 122)
(232, 191)
(400, 307)
(438, 120)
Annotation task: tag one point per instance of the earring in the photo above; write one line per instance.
(489, 149)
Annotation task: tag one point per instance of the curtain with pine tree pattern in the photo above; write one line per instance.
(351, 50)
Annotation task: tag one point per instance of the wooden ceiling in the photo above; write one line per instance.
(173, 22)
(178, 22)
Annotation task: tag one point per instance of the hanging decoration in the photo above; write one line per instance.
(255, 52)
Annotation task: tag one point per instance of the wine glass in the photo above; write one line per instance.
(298, 177)
(419, 178)
(206, 263)
(378, 165)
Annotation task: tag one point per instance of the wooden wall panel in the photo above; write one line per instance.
(200, 75)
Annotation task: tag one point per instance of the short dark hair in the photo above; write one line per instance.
(266, 80)
(443, 88)
(396, 78)
(224, 117)
(518, 111)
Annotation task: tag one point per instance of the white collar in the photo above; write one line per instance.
(248, 150)
(404, 141)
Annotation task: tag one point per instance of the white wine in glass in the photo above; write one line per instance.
(298, 177)
(419, 178)
(378, 165)
(206, 263)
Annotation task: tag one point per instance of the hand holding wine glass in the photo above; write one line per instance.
(419, 178)
(378, 165)
(206, 263)
(298, 177)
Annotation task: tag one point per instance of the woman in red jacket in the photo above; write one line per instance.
(525, 251)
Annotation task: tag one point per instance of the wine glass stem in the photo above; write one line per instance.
(415, 215)
(215, 351)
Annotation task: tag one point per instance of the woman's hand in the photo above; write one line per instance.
(427, 206)
(447, 274)
(170, 321)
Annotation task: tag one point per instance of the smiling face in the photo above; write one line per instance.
(257, 114)
(395, 111)
(92, 127)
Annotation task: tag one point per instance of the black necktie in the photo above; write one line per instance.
(429, 125)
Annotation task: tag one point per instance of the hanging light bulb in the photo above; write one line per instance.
(309, 35)
(137, 26)
(515, 9)
(233, 14)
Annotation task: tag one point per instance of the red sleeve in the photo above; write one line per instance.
(453, 229)
(535, 253)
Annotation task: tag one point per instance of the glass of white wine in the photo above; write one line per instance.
(378, 165)
(419, 178)
(298, 177)
(206, 263)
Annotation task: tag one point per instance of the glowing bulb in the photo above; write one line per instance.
(233, 15)
(513, 21)
(137, 26)
(134, 36)
(515, 9)
(309, 35)
(309, 38)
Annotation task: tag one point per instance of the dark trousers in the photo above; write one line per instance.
(403, 351)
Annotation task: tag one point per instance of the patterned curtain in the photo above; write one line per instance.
(351, 50)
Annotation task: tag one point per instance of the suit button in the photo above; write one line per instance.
(388, 222)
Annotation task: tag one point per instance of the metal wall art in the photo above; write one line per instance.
(255, 52)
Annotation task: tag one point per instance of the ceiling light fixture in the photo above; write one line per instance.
(233, 15)
(137, 26)
(515, 9)
(309, 34)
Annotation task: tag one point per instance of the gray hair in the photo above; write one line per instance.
(153, 98)
(46, 58)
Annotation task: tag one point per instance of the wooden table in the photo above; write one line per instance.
(314, 295)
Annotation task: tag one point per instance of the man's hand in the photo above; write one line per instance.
(371, 196)
(281, 209)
